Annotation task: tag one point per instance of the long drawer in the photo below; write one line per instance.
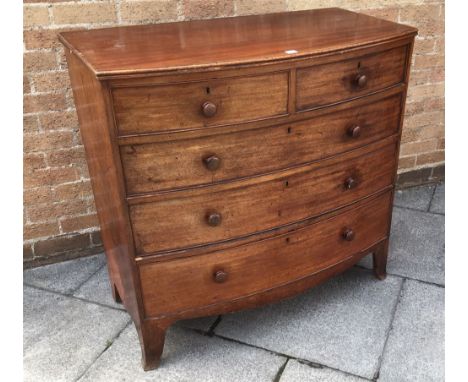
(211, 159)
(189, 218)
(255, 267)
(326, 84)
(192, 105)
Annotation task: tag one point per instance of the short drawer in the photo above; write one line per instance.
(192, 105)
(173, 164)
(326, 84)
(198, 281)
(190, 218)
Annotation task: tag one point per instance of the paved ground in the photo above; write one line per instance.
(352, 328)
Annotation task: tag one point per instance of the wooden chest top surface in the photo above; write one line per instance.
(200, 44)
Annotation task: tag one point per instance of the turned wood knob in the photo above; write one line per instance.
(213, 219)
(212, 162)
(354, 131)
(350, 183)
(209, 109)
(361, 80)
(220, 276)
(348, 234)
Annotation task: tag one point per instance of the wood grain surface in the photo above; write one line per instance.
(252, 268)
(214, 43)
(179, 219)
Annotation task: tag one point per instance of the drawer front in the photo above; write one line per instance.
(204, 160)
(195, 217)
(197, 281)
(193, 105)
(330, 83)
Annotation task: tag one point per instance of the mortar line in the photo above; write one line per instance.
(280, 371)
(404, 277)
(89, 278)
(389, 330)
(74, 297)
(300, 360)
(214, 325)
(103, 351)
(432, 198)
(416, 210)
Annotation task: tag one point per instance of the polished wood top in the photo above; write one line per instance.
(200, 44)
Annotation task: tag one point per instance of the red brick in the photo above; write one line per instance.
(406, 162)
(429, 104)
(424, 46)
(441, 144)
(416, 93)
(207, 9)
(59, 210)
(153, 10)
(427, 76)
(43, 38)
(59, 120)
(39, 195)
(73, 191)
(50, 177)
(34, 16)
(434, 157)
(33, 161)
(61, 244)
(84, 13)
(35, 231)
(428, 61)
(427, 18)
(36, 103)
(390, 14)
(96, 238)
(26, 85)
(78, 223)
(65, 157)
(414, 177)
(50, 81)
(46, 1)
(47, 141)
(249, 7)
(36, 61)
(30, 124)
(28, 253)
(418, 147)
(423, 119)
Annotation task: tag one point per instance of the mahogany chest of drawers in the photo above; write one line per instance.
(239, 161)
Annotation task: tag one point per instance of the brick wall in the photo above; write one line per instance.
(59, 213)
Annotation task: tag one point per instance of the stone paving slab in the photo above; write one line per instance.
(438, 201)
(415, 347)
(341, 324)
(63, 336)
(187, 356)
(298, 372)
(418, 197)
(97, 289)
(64, 277)
(417, 243)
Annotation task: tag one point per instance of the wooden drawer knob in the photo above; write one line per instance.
(350, 183)
(354, 131)
(213, 219)
(220, 276)
(212, 162)
(348, 234)
(209, 109)
(361, 80)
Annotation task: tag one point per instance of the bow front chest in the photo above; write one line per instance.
(236, 162)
